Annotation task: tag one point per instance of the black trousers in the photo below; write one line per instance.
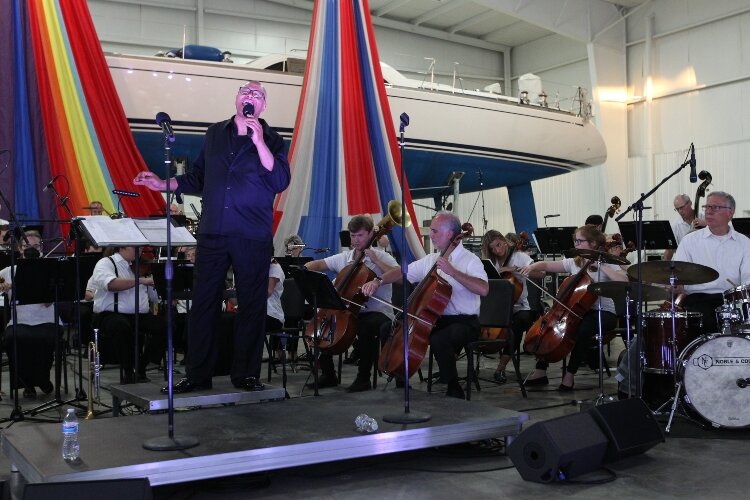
(588, 328)
(450, 335)
(117, 339)
(35, 347)
(250, 261)
(371, 328)
(521, 322)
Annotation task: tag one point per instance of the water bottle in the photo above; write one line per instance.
(71, 448)
(365, 424)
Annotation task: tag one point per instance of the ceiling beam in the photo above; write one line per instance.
(446, 7)
(392, 5)
(407, 27)
(471, 21)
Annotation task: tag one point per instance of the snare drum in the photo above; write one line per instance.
(659, 357)
(739, 298)
(714, 370)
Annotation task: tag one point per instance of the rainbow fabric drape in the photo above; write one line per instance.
(61, 117)
(344, 155)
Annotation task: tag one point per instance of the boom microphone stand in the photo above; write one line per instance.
(170, 442)
(407, 417)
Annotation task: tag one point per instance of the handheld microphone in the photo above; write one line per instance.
(550, 216)
(165, 122)
(50, 183)
(120, 192)
(693, 176)
(248, 110)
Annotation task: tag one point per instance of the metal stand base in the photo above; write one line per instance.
(166, 443)
(407, 418)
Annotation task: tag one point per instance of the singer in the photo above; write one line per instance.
(238, 174)
(370, 320)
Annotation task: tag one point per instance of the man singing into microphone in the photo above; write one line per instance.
(239, 171)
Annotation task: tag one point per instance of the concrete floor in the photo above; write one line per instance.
(712, 465)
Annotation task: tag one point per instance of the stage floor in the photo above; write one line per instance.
(246, 438)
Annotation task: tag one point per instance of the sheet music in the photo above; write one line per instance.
(108, 232)
(155, 231)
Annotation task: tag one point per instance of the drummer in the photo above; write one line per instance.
(586, 238)
(720, 247)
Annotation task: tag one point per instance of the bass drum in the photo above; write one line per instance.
(715, 371)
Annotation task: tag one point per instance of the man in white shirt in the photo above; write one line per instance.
(114, 314)
(687, 221)
(376, 314)
(465, 273)
(720, 247)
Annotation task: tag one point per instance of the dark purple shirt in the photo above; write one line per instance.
(238, 192)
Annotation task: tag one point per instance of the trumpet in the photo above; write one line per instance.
(94, 374)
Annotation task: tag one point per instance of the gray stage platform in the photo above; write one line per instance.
(148, 396)
(252, 438)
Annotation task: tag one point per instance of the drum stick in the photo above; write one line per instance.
(735, 285)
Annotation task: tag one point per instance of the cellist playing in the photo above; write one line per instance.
(465, 273)
(376, 314)
(588, 238)
(500, 252)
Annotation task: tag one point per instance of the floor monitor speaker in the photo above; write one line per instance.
(630, 427)
(115, 489)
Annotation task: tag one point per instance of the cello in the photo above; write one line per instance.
(488, 333)
(699, 193)
(337, 329)
(427, 302)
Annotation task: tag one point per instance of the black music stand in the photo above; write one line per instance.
(182, 285)
(292, 265)
(554, 240)
(489, 268)
(50, 281)
(319, 292)
(742, 225)
(657, 235)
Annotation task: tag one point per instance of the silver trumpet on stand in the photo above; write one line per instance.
(94, 375)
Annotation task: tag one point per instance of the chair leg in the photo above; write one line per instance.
(517, 369)
(469, 371)
(429, 374)
(271, 362)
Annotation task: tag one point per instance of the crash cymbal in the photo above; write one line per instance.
(618, 289)
(686, 273)
(596, 255)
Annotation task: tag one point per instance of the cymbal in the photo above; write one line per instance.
(686, 273)
(618, 289)
(596, 255)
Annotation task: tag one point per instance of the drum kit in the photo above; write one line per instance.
(711, 370)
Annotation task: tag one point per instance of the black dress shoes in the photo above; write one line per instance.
(360, 384)
(249, 384)
(187, 385)
(47, 387)
(536, 382)
(455, 391)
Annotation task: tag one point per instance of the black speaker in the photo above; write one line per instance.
(559, 449)
(630, 427)
(116, 489)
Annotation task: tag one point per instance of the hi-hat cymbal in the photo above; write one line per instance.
(596, 255)
(686, 273)
(618, 289)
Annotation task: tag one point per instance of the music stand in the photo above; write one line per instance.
(319, 292)
(45, 281)
(489, 268)
(657, 235)
(182, 281)
(554, 240)
(742, 225)
(292, 265)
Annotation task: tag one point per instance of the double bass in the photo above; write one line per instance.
(337, 329)
(699, 193)
(487, 333)
(426, 304)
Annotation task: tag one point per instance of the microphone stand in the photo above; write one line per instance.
(638, 208)
(407, 417)
(170, 442)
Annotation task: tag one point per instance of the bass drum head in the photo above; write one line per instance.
(711, 368)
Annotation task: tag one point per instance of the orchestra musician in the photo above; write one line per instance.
(375, 315)
(590, 238)
(293, 245)
(720, 247)
(500, 251)
(465, 273)
(274, 311)
(686, 221)
(113, 283)
(240, 169)
(36, 331)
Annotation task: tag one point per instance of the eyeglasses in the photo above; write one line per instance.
(255, 94)
(713, 208)
(681, 207)
(579, 242)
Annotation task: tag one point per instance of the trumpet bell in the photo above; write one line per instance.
(397, 215)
